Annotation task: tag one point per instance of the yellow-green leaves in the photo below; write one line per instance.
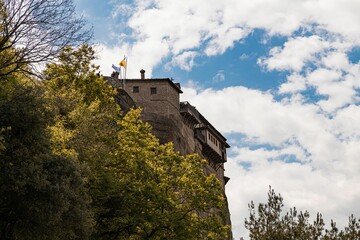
(164, 195)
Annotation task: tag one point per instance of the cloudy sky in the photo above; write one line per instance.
(282, 79)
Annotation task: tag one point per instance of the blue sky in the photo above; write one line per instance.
(280, 79)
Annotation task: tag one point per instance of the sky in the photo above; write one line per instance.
(280, 79)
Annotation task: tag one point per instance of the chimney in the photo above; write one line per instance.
(178, 85)
(142, 72)
(115, 75)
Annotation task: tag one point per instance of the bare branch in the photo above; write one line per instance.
(35, 31)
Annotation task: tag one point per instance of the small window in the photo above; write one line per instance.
(153, 90)
(135, 89)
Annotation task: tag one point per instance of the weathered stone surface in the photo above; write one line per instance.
(124, 100)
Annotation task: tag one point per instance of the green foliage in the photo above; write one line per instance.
(352, 231)
(2, 139)
(86, 113)
(75, 72)
(150, 192)
(269, 223)
(42, 195)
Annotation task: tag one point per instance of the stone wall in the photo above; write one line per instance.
(165, 101)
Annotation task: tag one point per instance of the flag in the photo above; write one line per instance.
(117, 69)
(123, 63)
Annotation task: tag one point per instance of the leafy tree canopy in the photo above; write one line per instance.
(43, 196)
(151, 192)
(268, 222)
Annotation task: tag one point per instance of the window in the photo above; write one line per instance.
(135, 89)
(153, 90)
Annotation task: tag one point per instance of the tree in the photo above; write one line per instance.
(352, 231)
(86, 112)
(35, 31)
(150, 192)
(42, 195)
(2, 146)
(269, 223)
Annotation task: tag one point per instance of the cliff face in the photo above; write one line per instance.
(124, 100)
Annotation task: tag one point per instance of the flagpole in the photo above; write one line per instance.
(123, 63)
(125, 69)
(120, 76)
(126, 61)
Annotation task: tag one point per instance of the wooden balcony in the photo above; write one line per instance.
(189, 113)
(210, 153)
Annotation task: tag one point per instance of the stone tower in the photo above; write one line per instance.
(175, 121)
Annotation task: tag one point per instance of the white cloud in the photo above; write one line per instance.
(219, 76)
(135, 57)
(184, 61)
(212, 27)
(253, 112)
(295, 83)
(295, 53)
(337, 61)
(105, 57)
(224, 39)
(323, 66)
(243, 57)
(121, 9)
(347, 124)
